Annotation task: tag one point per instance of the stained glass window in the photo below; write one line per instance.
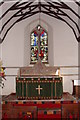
(39, 35)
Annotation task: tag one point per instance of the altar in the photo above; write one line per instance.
(39, 82)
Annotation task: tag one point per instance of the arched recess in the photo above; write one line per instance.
(28, 30)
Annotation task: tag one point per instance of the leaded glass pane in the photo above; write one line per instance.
(44, 46)
(34, 46)
(34, 38)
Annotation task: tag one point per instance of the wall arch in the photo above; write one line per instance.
(28, 30)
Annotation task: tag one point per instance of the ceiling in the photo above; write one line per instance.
(14, 11)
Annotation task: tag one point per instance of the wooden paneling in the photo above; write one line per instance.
(66, 108)
(76, 90)
(14, 111)
(70, 110)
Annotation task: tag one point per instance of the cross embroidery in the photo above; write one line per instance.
(39, 89)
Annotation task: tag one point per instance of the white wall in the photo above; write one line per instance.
(79, 45)
(63, 49)
(0, 51)
(0, 66)
(79, 59)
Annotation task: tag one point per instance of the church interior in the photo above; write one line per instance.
(40, 59)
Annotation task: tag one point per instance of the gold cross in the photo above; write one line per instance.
(39, 89)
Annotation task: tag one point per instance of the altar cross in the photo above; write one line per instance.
(39, 89)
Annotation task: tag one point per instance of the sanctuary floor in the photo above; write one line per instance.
(68, 107)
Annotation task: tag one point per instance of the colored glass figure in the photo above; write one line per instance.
(39, 34)
(34, 47)
(44, 46)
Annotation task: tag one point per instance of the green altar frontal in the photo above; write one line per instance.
(34, 88)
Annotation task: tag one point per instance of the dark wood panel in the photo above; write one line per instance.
(13, 108)
(76, 90)
(70, 110)
(12, 111)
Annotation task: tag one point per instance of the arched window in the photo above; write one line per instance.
(39, 44)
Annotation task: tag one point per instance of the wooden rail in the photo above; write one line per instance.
(53, 66)
(69, 74)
